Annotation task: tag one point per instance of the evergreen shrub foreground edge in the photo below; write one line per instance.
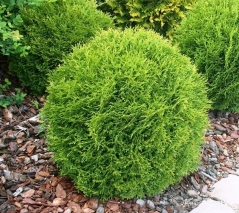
(210, 36)
(51, 30)
(126, 115)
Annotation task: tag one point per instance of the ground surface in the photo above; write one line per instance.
(29, 180)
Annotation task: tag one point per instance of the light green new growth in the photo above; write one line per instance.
(161, 16)
(126, 115)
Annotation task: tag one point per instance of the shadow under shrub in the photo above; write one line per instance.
(210, 36)
(51, 30)
(126, 115)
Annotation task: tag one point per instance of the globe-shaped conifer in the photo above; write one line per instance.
(126, 115)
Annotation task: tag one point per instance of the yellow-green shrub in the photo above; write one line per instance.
(51, 30)
(126, 115)
(210, 36)
(162, 16)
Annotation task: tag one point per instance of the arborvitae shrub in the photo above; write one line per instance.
(51, 30)
(161, 16)
(210, 36)
(126, 115)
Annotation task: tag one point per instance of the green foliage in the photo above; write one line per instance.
(10, 21)
(210, 36)
(126, 115)
(6, 99)
(51, 30)
(35, 103)
(162, 16)
(18, 97)
(10, 39)
(4, 86)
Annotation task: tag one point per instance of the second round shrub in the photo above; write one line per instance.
(210, 36)
(126, 115)
(51, 30)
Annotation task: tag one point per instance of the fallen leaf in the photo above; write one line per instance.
(33, 111)
(27, 182)
(128, 205)
(40, 199)
(34, 120)
(11, 134)
(7, 114)
(23, 148)
(30, 149)
(28, 201)
(42, 99)
(135, 207)
(93, 203)
(12, 146)
(48, 186)
(83, 199)
(229, 164)
(67, 211)
(88, 210)
(28, 193)
(76, 198)
(54, 181)
(43, 174)
(74, 207)
(17, 204)
(234, 135)
(20, 135)
(38, 177)
(19, 140)
(24, 211)
(169, 209)
(224, 168)
(58, 202)
(60, 192)
(113, 206)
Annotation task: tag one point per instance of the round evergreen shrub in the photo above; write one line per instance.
(210, 36)
(126, 115)
(51, 30)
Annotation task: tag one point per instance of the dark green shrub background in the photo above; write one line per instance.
(51, 30)
(126, 115)
(210, 36)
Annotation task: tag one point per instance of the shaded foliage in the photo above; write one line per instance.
(51, 30)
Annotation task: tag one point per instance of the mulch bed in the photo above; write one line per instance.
(30, 181)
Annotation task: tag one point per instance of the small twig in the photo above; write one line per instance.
(34, 119)
(208, 176)
(30, 201)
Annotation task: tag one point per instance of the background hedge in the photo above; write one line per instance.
(210, 36)
(161, 16)
(51, 30)
(126, 115)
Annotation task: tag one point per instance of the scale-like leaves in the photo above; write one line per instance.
(51, 29)
(210, 36)
(126, 115)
